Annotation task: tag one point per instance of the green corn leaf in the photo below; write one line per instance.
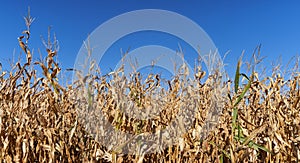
(240, 131)
(253, 145)
(257, 146)
(234, 118)
(221, 158)
(237, 76)
(241, 96)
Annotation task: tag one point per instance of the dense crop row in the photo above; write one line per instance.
(41, 120)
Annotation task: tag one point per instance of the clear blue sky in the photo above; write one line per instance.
(232, 25)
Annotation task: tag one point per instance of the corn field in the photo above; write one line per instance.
(39, 118)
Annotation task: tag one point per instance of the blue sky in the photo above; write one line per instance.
(233, 26)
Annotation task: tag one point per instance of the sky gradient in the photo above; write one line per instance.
(233, 26)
